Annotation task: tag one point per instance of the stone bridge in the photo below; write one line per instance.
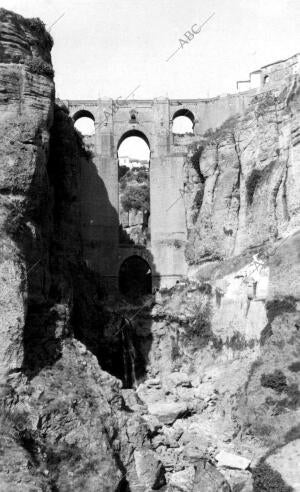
(152, 120)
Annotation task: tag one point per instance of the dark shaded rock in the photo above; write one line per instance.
(209, 479)
(149, 469)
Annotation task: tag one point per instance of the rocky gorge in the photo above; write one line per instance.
(195, 388)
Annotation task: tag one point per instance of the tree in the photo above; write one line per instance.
(136, 197)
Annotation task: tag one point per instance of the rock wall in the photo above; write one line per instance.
(64, 423)
(26, 102)
(242, 181)
(223, 370)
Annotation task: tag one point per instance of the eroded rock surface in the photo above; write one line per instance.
(226, 342)
(64, 422)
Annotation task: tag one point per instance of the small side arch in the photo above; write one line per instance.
(183, 121)
(84, 122)
(83, 113)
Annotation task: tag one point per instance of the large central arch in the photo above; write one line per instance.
(133, 132)
(133, 150)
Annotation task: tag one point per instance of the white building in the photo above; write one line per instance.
(124, 161)
(129, 162)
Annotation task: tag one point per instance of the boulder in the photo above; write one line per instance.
(182, 481)
(171, 458)
(153, 382)
(179, 379)
(240, 480)
(159, 440)
(209, 479)
(194, 451)
(152, 422)
(149, 469)
(196, 446)
(132, 400)
(167, 412)
(231, 460)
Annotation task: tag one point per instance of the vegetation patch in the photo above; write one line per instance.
(201, 334)
(292, 434)
(37, 26)
(122, 171)
(275, 381)
(293, 397)
(205, 288)
(39, 66)
(264, 102)
(239, 342)
(291, 401)
(279, 306)
(135, 189)
(295, 366)
(265, 479)
(254, 366)
(266, 333)
(224, 131)
(263, 430)
(177, 243)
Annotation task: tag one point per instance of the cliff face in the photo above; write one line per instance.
(62, 417)
(242, 181)
(226, 342)
(26, 101)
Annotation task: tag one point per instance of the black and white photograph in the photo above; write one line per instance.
(149, 245)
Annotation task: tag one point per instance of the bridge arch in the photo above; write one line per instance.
(135, 276)
(84, 121)
(133, 157)
(183, 121)
(133, 132)
(83, 113)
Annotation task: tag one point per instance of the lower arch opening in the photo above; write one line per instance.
(135, 277)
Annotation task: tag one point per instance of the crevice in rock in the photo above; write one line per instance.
(216, 175)
(274, 201)
(237, 190)
(284, 192)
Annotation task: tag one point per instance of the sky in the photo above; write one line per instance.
(134, 148)
(108, 48)
(154, 48)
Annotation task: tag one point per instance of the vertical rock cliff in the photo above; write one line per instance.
(64, 423)
(245, 191)
(226, 342)
(27, 97)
